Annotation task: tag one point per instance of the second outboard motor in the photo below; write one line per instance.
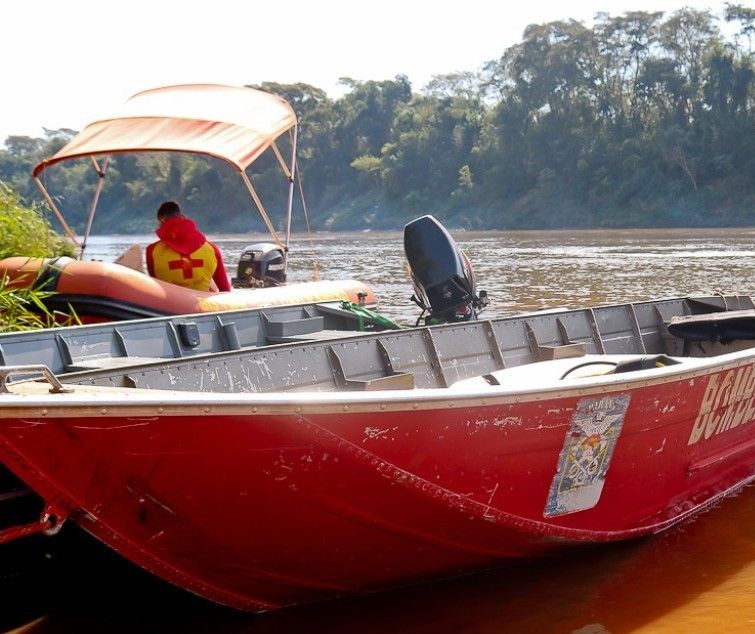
(442, 276)
(261, 264)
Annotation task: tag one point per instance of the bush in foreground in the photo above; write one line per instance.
(24, 309)
(25, 232)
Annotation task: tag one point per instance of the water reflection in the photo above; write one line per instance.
(689, 579)
(699, 577)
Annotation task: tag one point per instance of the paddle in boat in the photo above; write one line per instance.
(234, 124)
(270, 475)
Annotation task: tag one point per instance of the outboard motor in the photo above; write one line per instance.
(442, 276)
(261, 264)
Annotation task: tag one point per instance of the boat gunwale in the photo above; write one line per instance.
(91, 399)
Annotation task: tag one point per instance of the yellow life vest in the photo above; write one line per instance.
(192, 271)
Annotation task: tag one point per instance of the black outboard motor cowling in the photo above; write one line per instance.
(442, 276)
(261, 264)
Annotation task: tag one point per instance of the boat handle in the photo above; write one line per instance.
(6, 371)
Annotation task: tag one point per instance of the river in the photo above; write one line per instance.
(697, 577)
(523, 270)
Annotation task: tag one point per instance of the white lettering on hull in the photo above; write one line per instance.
(728, 402)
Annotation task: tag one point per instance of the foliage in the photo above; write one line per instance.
(642, 119)
(24, 309)
(24, 231)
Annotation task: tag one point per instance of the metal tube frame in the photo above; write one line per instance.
(56, 211)
(291, 177)
(95, 200)
(261, 209)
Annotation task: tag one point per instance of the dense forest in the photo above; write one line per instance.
(645, 119)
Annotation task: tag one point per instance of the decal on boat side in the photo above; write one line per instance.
(728, 401)
(586, 454)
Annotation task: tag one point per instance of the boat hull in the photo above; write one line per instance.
(104, 291)
(260, 502)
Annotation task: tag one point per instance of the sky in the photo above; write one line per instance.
(63, 63)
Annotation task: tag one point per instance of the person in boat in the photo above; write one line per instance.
(183, 255)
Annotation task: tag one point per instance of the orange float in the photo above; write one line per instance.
(103, 291)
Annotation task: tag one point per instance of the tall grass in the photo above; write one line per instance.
(24, 309)
(25, 232)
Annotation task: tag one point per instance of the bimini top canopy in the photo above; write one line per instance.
(229, 122)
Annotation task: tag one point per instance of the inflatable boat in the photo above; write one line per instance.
(106, 291)
(234, 124)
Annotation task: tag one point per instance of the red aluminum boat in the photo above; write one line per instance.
(265, 477)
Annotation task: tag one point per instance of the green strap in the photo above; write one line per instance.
(364, 314)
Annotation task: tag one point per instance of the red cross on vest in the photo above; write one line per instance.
(187, 265)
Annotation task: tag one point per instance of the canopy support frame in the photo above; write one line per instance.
(261, 209)
(281, 160)
(92, 208)
(48, 199)
(95, 200)
(291, 173)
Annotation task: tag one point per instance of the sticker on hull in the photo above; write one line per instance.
(586, 454)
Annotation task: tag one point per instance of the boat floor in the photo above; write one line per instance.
(588, 368)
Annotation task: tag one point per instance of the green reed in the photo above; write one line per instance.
(24, 231)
